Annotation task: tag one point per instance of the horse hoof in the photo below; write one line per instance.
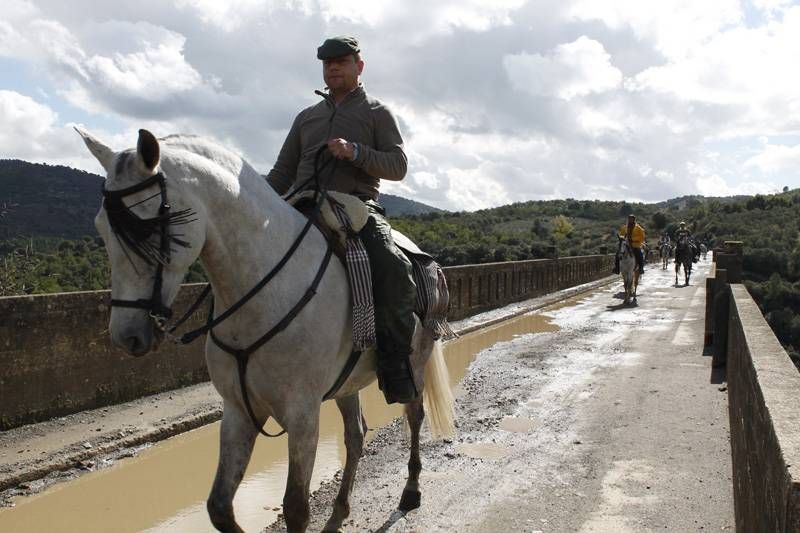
(410, 500)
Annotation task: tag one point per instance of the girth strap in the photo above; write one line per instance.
(242, 355)
(355, 355)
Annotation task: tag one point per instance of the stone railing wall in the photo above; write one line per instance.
(763, 401)
(477, 288)
(56, 356)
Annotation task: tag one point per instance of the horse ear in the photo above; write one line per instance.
(100, 151)
(148, 150)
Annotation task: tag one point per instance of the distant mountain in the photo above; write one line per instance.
(47, 201)
(38, 200)
(397, 206)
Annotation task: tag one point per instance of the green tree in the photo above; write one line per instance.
(562, 228)
(659, 220)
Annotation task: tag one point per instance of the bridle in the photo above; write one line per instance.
(133, 233)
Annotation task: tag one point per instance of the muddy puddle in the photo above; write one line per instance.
(164, 487)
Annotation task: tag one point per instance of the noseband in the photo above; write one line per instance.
(134, 232)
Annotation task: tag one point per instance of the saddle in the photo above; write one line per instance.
(341, 217)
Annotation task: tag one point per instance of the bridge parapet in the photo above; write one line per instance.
(478, 288)
(56, 356)
(763, 403)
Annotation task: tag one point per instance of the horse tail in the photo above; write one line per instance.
(437, 395)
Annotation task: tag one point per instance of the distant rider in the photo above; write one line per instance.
(634, 234)
(682, 232)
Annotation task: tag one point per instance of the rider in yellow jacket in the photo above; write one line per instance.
(635, 235)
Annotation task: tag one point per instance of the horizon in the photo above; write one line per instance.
(623, 100)
(666, 201)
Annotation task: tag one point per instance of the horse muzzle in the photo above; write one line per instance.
(138, 338)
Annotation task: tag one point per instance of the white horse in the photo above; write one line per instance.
(240, 228)
(664, 250)
(629, 271)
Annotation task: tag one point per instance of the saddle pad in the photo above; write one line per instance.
(356, 211)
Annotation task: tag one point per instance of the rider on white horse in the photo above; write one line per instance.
(634, 234)
(362, 134)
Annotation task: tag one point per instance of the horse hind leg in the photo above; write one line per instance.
(437, 400)
(354, 429)
(237, 436)
(411, 498)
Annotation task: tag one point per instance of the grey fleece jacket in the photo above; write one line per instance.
(358, 118)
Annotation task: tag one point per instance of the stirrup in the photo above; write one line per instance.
(397, 383)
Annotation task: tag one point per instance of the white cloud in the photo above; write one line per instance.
(574, 69)
(776, 158)
(714, 185)
(155, 72)
(426, 179)
(31, 131)
(421, 18)
(773, 8)
(675, 27)
(473, 188)
(634, 99)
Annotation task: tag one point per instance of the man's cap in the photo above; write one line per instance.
(342, 45)
(682, 223)
(631, 216)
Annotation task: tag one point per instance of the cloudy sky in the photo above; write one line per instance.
(499, 100)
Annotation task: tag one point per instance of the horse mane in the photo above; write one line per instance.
(216, 153)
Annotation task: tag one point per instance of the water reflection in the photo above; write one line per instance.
(164, 488)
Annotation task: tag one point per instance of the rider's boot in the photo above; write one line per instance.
(395, 378)
(615, 270)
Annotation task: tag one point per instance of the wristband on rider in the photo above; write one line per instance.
(355, 151)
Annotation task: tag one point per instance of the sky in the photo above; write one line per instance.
(498, 101)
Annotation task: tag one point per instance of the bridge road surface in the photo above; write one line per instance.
(613, 423)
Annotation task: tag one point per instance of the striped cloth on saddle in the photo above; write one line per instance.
(346, 215)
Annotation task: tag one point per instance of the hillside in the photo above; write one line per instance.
(397, 206)
(46, 201)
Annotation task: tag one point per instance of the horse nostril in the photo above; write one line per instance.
(134, 345)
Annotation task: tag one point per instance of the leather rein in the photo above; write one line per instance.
(121, 216)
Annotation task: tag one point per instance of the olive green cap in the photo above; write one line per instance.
(342, 45)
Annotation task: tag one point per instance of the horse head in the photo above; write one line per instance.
(152, 235)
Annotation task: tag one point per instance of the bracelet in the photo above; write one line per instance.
(355, 151)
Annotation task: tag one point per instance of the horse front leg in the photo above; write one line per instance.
(303, 430)
(412, 496)
(237, 436)
(354, 429)
(626, 285)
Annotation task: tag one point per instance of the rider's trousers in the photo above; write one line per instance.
(392, 286)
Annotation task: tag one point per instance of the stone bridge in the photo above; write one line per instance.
(646, 398)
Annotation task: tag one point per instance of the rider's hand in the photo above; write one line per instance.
(341, 149)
